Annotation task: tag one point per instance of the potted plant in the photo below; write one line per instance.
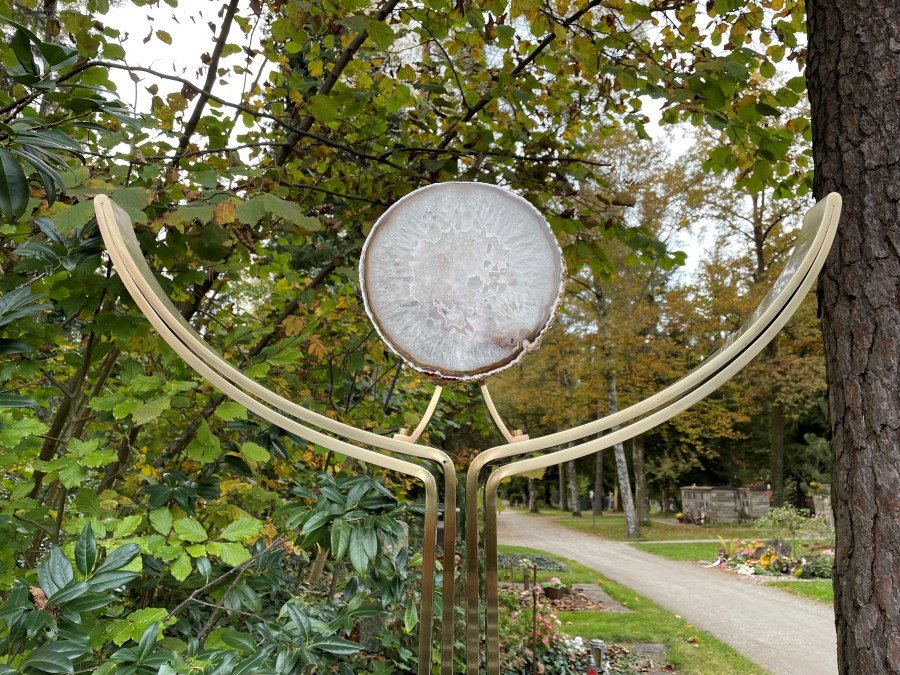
(554, 589)
(679, 517)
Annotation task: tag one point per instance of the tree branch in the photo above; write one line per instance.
(489, 96)
(212, 69)
(335, 73)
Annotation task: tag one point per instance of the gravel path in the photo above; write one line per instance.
(787, 635)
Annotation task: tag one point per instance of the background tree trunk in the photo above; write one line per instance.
(573, 490)
(532, 496)
(563, 491)
(631, 523)
(597, 504)
(776, 471)
(640, 481)
(854, 64)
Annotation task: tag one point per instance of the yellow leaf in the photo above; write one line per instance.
(316, 67)
(223, 212)
(293, 325)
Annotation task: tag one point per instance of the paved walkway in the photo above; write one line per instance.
(786, 634)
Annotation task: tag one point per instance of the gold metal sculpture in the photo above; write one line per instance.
(798, 276)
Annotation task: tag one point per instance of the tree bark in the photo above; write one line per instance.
(631, 523)
(532, 496)
(854, 88)
(597, 502)
(573, 490)
(776, 471)
(563, 499)
(640, 481)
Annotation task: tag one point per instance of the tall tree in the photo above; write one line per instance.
(854, 60)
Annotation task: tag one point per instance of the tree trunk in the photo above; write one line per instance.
(640, 481)
(854, 63)
(597, 502)
(776, 471)
(563, 491)
(573, 490)
(631, 523)
(532, 496)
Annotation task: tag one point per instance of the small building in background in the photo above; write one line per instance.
(703, 504)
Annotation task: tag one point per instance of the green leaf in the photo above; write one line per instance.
(324, 109)
(410, 616)
(382, 34)
(72, 473)
(358, 557)
(205, 447)
(110, 580)
(48, 659)
(242, 529)
(59, 567)
(147, 642)
(68, 592)
(17, 401)
(161, 520)
(150, 411)
(233, 554)
(86, 551)
(119, 558)
(254, 454)
(13, 187)
(88, 503)
(340, 538)
(190, 530)
(334, 644)
(181, 567)
(74, 217)
(230, 410)
(251, 211)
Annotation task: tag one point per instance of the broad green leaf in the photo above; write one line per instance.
(410, 616)
(118, 558)
(381, 33)
(334, 644)
(47, 658)
(110, 580)
(150, 411)
(161, 520)
(74, 217)
(13, 187)
(190, 530)
(205, 447)
(86, 551)
(358, 557)
(233, 554)
(254, 454)
(181, 567)
(230, 410)
(242, 529)
(88, 503)
(70, 591)
(127, 525)
(340, 538)
(324, 108)
(72, 473)
(147, 641)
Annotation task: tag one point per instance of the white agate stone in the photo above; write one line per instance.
(461, 279)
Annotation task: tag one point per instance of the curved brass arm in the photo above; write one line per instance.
(814, 242)
(125, 253)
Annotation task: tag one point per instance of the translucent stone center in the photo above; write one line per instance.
(460, 278)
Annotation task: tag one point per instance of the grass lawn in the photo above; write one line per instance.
(691, 651)
(817, 589)
(693, 551)
(612, 526)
